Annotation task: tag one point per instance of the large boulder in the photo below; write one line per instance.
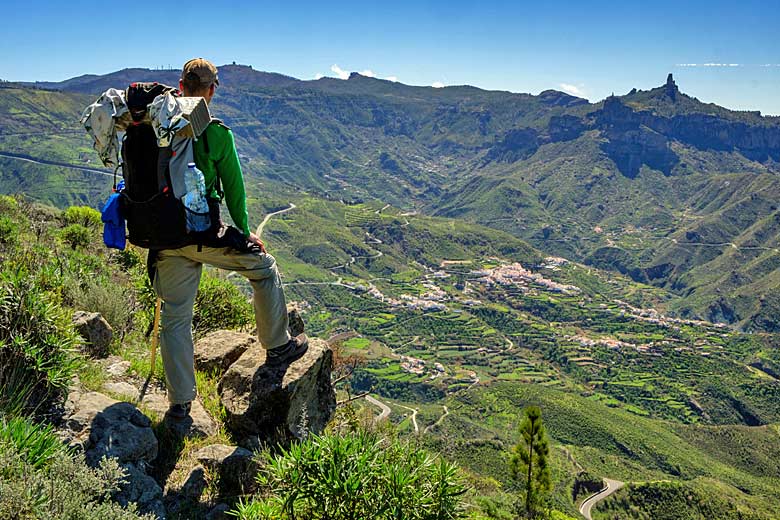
(103, 427)
(96, 331)
(108, 428)
(279, 402)
(216, 351)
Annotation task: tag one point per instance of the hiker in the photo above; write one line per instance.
(178, 270)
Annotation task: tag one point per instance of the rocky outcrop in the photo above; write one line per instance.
(264, 404)
(141, 489)
(689, 123)
(671, 87)
(96, 331)
(279, 402)
(630, 149)
(105, 428)
(565, 128)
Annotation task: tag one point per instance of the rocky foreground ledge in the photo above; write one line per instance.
(264, 405)
(276, 402)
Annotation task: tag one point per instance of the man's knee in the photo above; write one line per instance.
(258, 267)
(174, 315)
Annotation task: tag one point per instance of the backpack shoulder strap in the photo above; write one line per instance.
(204, 136)
(219, 122)
(214, 121)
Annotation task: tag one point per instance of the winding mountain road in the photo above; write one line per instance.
(414, 417)
(385, 409)
(434, 425)
(610, 487)
(259, 231)
(353, 259)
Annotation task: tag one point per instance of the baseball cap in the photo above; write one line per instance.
(202, 69)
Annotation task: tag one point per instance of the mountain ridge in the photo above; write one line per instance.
(643, 183)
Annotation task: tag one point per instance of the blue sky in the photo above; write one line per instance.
(590, 48)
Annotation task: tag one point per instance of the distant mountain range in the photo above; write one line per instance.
(656, 184)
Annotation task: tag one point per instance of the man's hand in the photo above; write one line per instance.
(254, 239)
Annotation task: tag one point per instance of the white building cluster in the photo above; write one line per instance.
(653, 316)
(516, 274)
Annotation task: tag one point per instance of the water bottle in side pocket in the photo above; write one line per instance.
(195, 204)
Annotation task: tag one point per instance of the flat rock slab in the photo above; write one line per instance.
(122, 388)
(198, 424)
(276, 402)
(216, 351)
(116, 366)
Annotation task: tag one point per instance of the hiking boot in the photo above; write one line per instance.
(288, 352)
(179, 411)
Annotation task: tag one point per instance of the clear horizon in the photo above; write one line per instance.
(346, 73)
(719, 51)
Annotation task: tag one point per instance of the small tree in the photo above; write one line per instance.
(529, 461)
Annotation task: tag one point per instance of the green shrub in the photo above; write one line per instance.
(9, 231)
(8, 205)
(37, 344)
(128, 258)
(112, 300)
(83, 215)
(65, 488)
(76, 235)
(220, 305)
(355, 476)
(36, 444)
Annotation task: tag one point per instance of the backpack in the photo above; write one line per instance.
(156, 217)
(127, 128)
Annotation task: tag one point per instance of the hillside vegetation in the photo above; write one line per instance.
(615, 264)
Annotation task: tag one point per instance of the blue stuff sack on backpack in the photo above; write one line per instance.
(114, 235)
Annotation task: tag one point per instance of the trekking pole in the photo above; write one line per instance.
(155, 335)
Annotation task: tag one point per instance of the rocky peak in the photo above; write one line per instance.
(671, 87)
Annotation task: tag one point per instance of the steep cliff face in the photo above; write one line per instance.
(639, 133)
(630, 142)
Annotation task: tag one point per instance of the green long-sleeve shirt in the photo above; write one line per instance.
(221, 161)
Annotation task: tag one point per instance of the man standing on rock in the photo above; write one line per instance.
(178, 270)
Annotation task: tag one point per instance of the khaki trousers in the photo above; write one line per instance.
(176, 283)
